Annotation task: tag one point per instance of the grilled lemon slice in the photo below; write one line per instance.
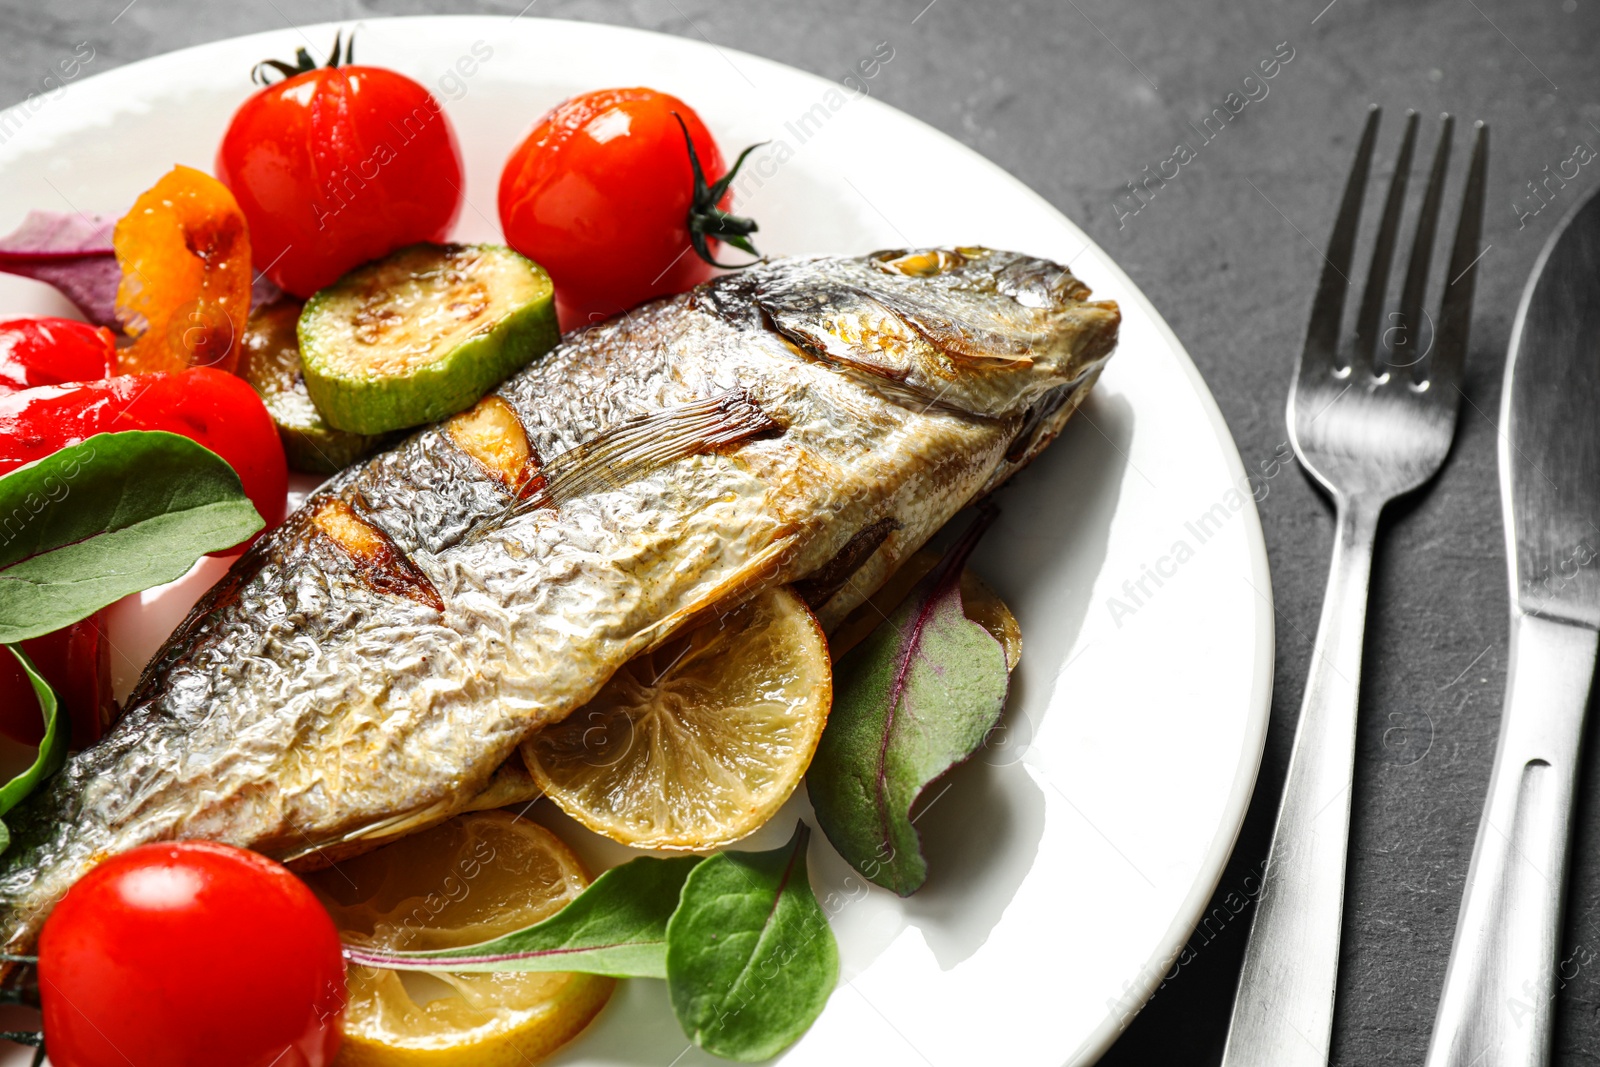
(698, 743)
(476, 877)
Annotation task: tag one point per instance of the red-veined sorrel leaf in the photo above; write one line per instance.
(618, 926)
(914, 699)
(73, 252)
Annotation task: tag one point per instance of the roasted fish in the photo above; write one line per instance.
(371, 666)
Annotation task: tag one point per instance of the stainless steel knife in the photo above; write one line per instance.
(1498, 1005)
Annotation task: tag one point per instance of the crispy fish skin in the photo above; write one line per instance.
(365, 669)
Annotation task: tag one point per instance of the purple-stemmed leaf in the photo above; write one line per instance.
(59, 235)
(617, 926)
(914, 699)
(71, 252)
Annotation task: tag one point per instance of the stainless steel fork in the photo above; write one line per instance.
(1367, 430)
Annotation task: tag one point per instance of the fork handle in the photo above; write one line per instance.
(1283, 1012)
(1498, 1005)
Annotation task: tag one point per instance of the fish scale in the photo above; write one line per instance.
(318, 701)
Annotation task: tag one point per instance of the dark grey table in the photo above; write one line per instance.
(1077, 98)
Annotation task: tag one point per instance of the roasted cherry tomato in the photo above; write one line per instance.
(184, 250)
(602, 194)
(191, 955)
(75, 661)
(339, 165)
(218, 410)
(47, 351)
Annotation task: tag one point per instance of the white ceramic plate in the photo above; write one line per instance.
(1071, 861)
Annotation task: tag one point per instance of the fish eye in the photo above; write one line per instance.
(923, 263)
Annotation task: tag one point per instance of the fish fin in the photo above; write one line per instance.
(316, 856)
(511, 784)
(757, 574)
(632, 449)
(817, 588)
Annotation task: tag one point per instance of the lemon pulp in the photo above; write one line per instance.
(697, 743)
(468, 880)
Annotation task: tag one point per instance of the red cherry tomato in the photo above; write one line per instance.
(191, 955)
(76, 661)
(216, 409)
(49, 351)
(600, 193)
(337, 166)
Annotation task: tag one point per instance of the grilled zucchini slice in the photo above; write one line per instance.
(271, 364)
(423, 333)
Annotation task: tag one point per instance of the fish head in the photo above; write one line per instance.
(986, 332)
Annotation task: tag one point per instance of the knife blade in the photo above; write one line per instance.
(1550, 451)
(1498, 1004)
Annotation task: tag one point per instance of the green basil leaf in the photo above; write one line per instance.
(751, 960)
(52, 749)
(914, 699)
(618, 926)
(95, 521)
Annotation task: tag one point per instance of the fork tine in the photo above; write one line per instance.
(1405, 352)
(1377, 289)
(1322, 334)
(1455, 308)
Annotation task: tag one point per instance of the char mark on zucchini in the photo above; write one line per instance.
(422, 333)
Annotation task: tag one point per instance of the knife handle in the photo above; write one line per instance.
(1498, 1004)
(1283, 1010)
